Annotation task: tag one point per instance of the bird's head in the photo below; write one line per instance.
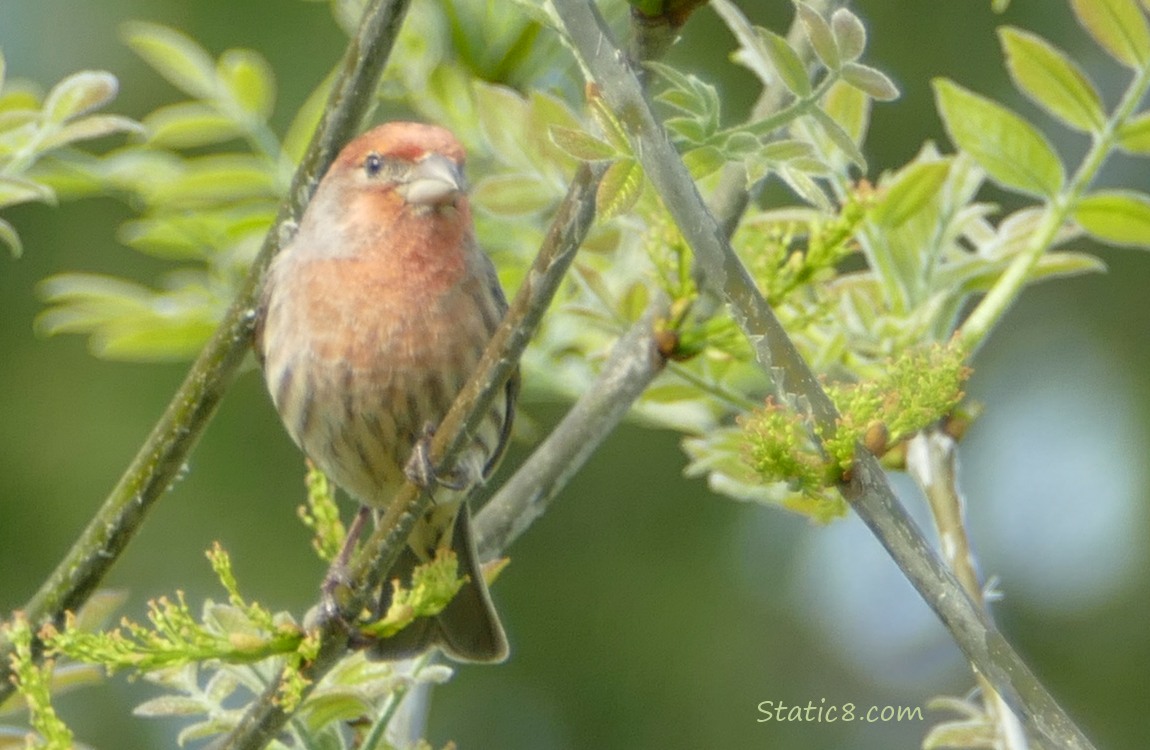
(405, 164)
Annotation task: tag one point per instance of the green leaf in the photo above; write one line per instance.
(850, 108)
(171, 705)
(873, 83)
(249, 80)
(1119, 28)
(127, 321)
(1051, 80)
(1120, 217)
(911, 190)
(612, 128)
(786, 62)
(512, 195)
(10, 238)
(703, 161)
(175, 56)
(79, 93)
(689, 129)
(203, 729)
(19, 100)
(190, 235)
(757, 169)
(805, 187)
(695, 98)
(1010, 149)
(820, 35)
(634, 301)
(215, 180)
(1066, 264)
(736, 145)
(337, 705)
(621, 187)
(71, 175)
(849, 33)
(671, 393)
(189, 125)
(581, 144)
(88, 128)
(678, 79)
(503, 115)
(14, 190)
(1134, 135)
(788, 150)
(840, 137)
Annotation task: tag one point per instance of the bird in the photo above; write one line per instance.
(372, 319)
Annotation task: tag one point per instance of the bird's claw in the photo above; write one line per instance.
(337, 582)
(419, 469)
(421, 472)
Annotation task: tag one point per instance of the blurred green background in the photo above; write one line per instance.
(643, 611)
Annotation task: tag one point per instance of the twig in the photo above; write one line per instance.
(265, 716)
(162, 455)
(931, 459)
(869, 493)
(634, 362)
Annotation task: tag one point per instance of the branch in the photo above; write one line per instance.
(165, 451)
(932, 461)
(869, 493)
(634, 362)
(378, 554)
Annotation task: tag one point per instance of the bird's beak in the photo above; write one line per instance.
(434, 181)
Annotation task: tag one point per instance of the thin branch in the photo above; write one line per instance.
(266, 716)
(634, 362)
(931, 459)
(869, 492)
(162, 455)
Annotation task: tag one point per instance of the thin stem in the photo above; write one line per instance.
(162, 455)
(718, 390)
(869, 492)
(931, 460)
(732, 194)
(1006, 290)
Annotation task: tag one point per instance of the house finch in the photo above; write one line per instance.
(373, 318)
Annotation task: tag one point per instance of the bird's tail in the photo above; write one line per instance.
(468, 628)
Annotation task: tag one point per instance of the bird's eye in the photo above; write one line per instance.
(373, 165)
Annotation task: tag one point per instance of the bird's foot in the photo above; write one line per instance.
(421, 472)
(337, 582)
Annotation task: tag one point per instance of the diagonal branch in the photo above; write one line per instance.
(158, 461)
(869, 492)
(634, 362)
(266, 716)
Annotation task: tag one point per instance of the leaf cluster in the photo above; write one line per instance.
(916, 389)
(39, 134)
(203, 209)
(212, 665)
